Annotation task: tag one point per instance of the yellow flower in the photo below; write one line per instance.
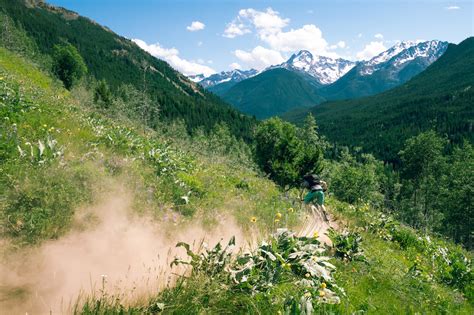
(278, 215)
(291, 210)
(323, 285)
(307, 275)
(322, 293)
(307, 294)
(45, 126)
(277, 220)
(253, 219)
(316, 235)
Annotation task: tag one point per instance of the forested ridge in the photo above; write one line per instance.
(119, 61)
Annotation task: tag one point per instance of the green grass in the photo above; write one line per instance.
(42, 190)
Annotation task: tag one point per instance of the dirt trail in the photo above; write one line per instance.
(316, 222)
(126, 255)
(114, 250)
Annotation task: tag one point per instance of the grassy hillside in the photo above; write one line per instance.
(57, 154)
(439, 98)
(272, 93)
(119, 61)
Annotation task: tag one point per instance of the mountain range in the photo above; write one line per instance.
(329, 79)
(324, 70)
(439, 98)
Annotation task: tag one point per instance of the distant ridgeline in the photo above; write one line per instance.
(119, 61)
(440, 98)
(310, 80)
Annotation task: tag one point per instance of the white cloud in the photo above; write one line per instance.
(235, 29)
(234, 66)
(340, 44)
(171, 55)
(378, 36)
(359, 35)
(259, 57)
(370, 50)
(453, 7)
(266, 22)
(269, 26)
(196, 26)
(308, 37)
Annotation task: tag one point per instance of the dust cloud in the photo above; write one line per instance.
(116, 251)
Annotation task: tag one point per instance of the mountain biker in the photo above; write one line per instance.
(315, 196)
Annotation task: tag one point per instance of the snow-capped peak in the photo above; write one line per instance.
(324, 69)
(403, 52)
(235, 75)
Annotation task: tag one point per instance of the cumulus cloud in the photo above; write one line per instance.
(308, 37)
(370, 50)
(259, 57)
(378, 36)
(269, 27)
(171, 55)
(235, 66)
(340, 44)
(266, 22)
(196, 26)
(453, 7)
(235, 29)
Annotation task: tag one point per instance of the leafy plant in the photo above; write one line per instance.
(284, 259)
(346, 245)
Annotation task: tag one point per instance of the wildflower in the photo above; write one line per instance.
(316, 234)
(322, 293)
(45, 126)
(307, 275)
(291, 210)
(277, 220)
(278, 215)
(307, 294)
(323, 285)
(253, 219)
(286, 266)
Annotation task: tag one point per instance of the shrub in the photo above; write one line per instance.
(68, 64)
(282, 154)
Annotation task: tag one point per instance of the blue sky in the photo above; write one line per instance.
(243, 34)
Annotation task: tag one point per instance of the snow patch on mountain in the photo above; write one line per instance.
(404, 52)
(324, 69)
(235, 75)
